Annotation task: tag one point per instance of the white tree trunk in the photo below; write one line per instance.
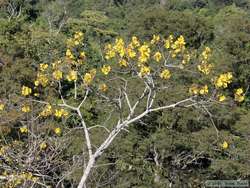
(87, 171)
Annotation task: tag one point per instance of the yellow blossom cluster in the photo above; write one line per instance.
(155, 39)
(206, 54)
(119, 47)
(26, 108)
(178, 46)
(76, 40)
(23, 129)
(26, 91)
(205, 67)
(186, 59)
(41, 79)
(135, 42)
(17, 179)
(43, 67)
(144, 55)
(123, 63)
(43, 146)
(72, 76)
(2, 106)
(165, 74)
(225, 145)
(239, 95)
(47, 111)
(88, 77)
(144, 71)
(130, 51)
(57, 75)
(157, 56)
(69, 54)
(221, 98)
(103, 87)
(73, 43)
(61, 113)
(223, 80)
(196, 90)
(106, 69)
(56, 64)
(58, 131)
(169, 41)
(110, 52)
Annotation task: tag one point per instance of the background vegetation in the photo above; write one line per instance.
(184, 142)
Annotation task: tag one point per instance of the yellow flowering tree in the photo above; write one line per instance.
(125, 85)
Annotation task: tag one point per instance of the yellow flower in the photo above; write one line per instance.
(47, 111)
(165, 74)
(144, 71)
(178, 46)
(106, 69)
(205, 68)
(204, 90)
(87, 78)
(41, 79)
(78, 35)
(110, 52)
(43, 67)
(58, 131)
(55, 65)
(169, 41)
(206, 54)
(223, 80)
(144, 53)
(156, 39)
(225, 145)
(72, 76)
(23, 129)
(61, 113)
(186, 59)
(239, 95)
(57, 75)
(43, 145)
(239, 91)
(1, 106)
(26, 109)
(26, 91)
(36, 83)
(123, 63)
(194, 89)
(157, 56)
(69, 54)
(36, 94)
(239, 98)
(103, 87)
(221, 98)
(130, 52)
(82, 55)
(135, 42)
(93, 72)
(119, 47)
(76, 42)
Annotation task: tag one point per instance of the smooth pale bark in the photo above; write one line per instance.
(163, 2)
(87, 171)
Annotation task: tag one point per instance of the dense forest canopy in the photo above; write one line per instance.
(43, 146)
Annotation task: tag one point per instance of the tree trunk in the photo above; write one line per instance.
(86, 173)
(163, 2)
